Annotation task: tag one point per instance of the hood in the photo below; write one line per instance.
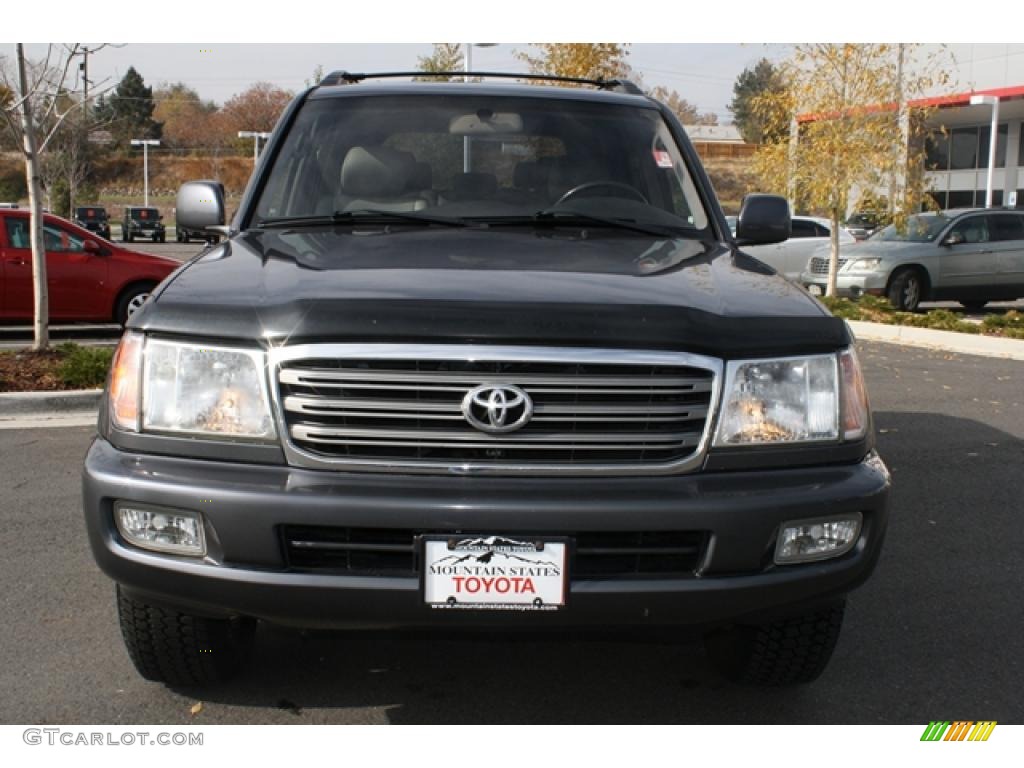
(513, 286)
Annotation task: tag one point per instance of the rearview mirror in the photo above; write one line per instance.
(484, 122)
(200, 205)
(763, 219)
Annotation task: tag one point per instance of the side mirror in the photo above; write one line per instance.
(92, 248)
(954, 238)
(200, 205)
(763, 219)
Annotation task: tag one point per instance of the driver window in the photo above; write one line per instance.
(17, 232)
(973, 230)
(60, 240)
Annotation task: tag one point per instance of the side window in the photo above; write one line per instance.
(820, 231)
(17, 232)
(973, 229)
(58, 240)
(803, 229)
(1007, 226)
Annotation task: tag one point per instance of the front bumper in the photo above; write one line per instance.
(245, 572)
(849, 286)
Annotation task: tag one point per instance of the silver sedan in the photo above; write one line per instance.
(972, 256)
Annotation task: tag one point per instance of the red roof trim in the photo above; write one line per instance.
(942, 102)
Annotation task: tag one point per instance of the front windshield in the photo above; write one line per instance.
(484, 157)
(921, 228)
(145, 214)
(92, 214)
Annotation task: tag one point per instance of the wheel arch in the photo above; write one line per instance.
(912, 266)
(131, 285)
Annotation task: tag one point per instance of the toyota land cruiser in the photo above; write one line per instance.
(483, 355)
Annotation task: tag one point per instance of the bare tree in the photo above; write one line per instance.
(34, 107)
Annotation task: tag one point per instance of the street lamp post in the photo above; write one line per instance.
(467, 67)
(145, 144)
(255, 136)
(993, 139)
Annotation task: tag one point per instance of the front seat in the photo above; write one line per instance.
(378, 177)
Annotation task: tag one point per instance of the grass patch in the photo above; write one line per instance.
(873, 309)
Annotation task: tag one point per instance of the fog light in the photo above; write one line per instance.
(804, 540)
(177, 531)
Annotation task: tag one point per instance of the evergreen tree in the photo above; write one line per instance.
(754, 83)
(130, 110)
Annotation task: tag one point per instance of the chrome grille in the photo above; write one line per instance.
(399, 407)
(819, 266)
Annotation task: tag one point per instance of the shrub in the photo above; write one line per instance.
(84, 367)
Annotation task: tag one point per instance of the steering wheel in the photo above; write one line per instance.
(575, 191)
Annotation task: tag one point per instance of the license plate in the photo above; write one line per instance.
(497, 573)
(814, 290)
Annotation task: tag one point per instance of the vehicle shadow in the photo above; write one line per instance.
(933, 634)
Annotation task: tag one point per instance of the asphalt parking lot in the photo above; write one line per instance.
(935, 634)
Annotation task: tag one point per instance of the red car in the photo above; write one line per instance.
(89, 278)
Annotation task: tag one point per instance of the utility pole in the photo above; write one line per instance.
(467, 67)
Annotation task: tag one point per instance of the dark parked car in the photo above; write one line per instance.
(94, 218)
(864, 224)
(142, 222)
(483, 355)
(89, 279)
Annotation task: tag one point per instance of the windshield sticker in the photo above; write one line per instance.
(662, 158)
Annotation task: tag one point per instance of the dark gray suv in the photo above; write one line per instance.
(483, 355)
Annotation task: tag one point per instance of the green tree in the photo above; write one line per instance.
(447, 57)
(593, 61)
(753, 83)
(129, 110)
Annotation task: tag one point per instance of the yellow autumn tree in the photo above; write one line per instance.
(591, 61)
(848, 129)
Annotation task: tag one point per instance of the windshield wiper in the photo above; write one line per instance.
(363, 215)
(560, 216)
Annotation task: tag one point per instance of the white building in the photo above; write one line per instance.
(958, 161)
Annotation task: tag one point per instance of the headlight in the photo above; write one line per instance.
(793, 400)
(191, 389)
(789, 400)
(863, 266)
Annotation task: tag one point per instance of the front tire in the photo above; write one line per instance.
(179, 649)
(906, 290)
(789, 651)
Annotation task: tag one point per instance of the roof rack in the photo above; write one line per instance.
(342, 77)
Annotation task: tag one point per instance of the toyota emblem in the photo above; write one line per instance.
(497, 408)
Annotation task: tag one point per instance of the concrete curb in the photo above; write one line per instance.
(949, 341)
(16, 405)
